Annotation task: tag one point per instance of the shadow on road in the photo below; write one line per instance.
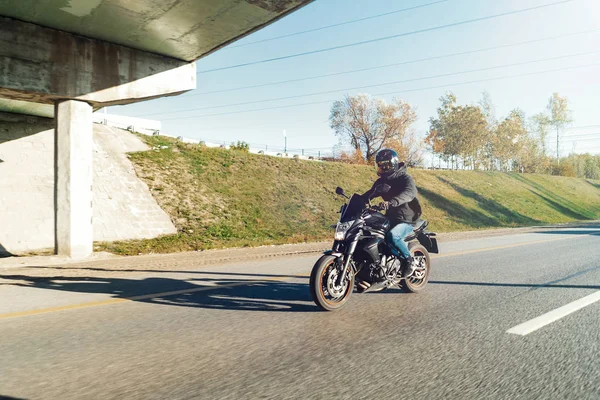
(191, 271)
(211, 293)
(552, 284)
(527, 285)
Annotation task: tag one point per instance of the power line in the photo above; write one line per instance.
(387, 37)
(584, 134)
(392, 65)
(377, 85)
(582, 127)
(396, 92)
(338, 24)
(573, 134)
(593, 136)
(287, 122)
(583, 139)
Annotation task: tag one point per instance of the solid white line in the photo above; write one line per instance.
(534, 324)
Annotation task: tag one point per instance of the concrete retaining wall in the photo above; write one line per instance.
(123, 207)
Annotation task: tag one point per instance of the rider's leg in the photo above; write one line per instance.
(396, 236)
(400, 248)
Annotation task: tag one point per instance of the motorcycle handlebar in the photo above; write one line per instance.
(376, 208)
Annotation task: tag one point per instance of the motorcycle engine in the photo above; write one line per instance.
(371, 272)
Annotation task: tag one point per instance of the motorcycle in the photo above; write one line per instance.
(361, 255)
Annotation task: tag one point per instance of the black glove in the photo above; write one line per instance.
(384, 205)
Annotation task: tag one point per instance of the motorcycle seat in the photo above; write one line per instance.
(419, 227)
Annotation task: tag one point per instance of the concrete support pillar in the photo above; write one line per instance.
(73, 177)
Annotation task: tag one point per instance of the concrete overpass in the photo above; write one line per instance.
(63, 59)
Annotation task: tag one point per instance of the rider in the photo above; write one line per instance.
(400, 203)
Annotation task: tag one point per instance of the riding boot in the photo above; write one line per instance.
(408, 266)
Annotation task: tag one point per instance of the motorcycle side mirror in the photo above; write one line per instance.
(339, 190)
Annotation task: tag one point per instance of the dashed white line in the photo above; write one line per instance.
(534, 324)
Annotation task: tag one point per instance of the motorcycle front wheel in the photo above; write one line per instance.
(324, 288)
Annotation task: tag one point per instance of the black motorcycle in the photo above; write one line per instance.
(361, 255)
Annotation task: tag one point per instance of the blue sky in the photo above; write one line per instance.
(307, 126)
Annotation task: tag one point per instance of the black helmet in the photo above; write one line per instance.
(386, 162)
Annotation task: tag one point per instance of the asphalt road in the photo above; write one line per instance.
(511, 317)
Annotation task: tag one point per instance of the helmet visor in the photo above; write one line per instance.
(385, 167)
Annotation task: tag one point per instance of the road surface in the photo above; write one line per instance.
(510, 317)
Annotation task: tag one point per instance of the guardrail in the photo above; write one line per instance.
(132, 124)
(153, 127)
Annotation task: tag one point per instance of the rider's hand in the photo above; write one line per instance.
(384, 205)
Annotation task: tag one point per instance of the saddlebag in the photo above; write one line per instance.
(428, 240)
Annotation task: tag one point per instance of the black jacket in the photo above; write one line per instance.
(404, 205)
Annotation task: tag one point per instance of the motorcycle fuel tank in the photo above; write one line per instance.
(377, 221)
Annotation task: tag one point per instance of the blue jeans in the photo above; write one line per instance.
(395, 238)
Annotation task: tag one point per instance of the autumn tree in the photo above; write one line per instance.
(370, 124)
(509, 137)
(473, 134)
(586, 165)
(458, 131)
(559, 116)
(529, 157)
(489, 111)
(541, 125)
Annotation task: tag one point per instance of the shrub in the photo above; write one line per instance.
(241, 146)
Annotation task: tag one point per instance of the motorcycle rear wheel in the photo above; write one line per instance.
(417, 281)
(324, 290)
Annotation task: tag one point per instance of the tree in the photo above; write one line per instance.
(541, 125)
(434, 143)
(529, 157)
(369, 124)
(586, 165)
(510, 136)
(559, 117)
(459, 132)
(489, 111)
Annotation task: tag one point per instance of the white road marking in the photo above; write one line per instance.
(534, 324)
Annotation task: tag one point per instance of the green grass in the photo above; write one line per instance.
(221, 198)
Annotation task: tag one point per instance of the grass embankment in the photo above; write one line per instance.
(222, 198)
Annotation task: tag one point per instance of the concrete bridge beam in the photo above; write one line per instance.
(44, 65)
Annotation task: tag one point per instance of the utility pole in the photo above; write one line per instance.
(557, 146)
(573, 157)
(285, 142)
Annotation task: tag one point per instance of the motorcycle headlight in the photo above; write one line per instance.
(341, 229)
